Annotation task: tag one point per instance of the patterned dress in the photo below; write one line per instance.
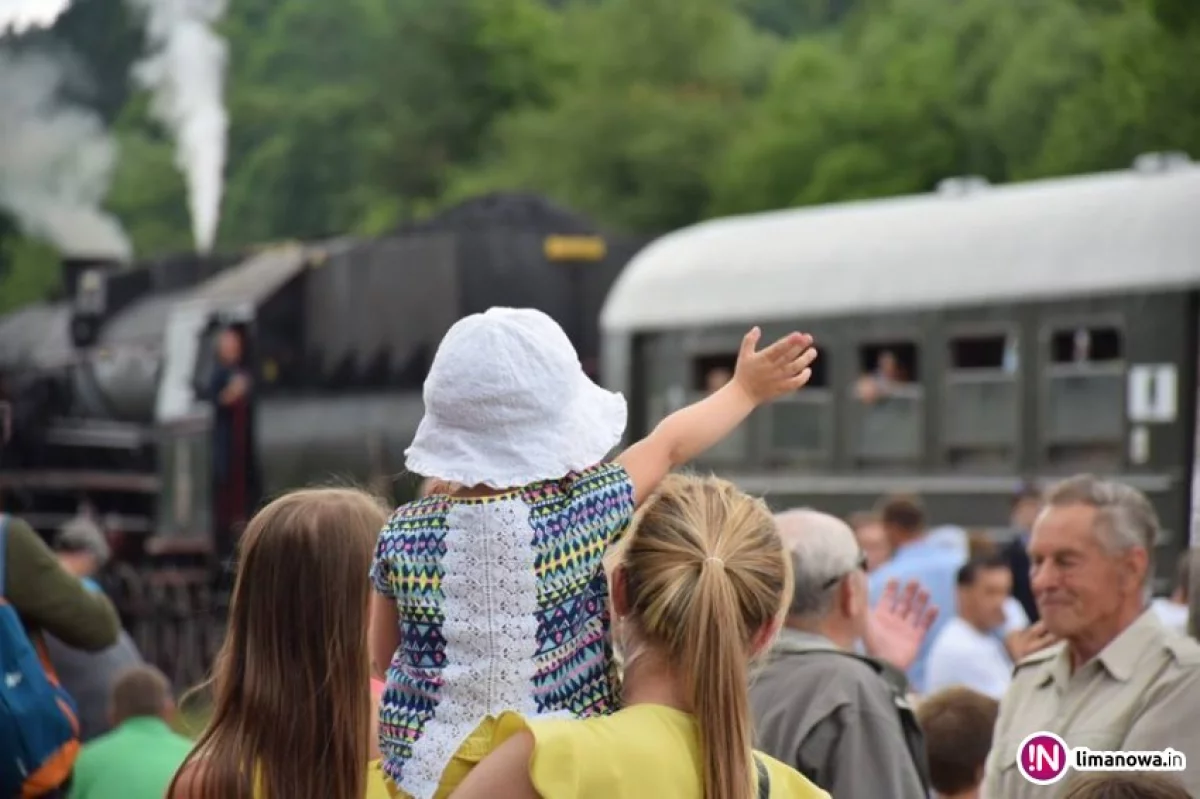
(503, 606)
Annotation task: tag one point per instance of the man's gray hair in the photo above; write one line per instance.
(1124, 516)
(823, 548)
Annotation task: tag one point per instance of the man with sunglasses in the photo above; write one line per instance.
(841, 719)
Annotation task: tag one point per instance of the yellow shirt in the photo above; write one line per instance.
(377, 784)
(641, 751)
(377, 787)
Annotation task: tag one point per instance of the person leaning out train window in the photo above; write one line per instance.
(888, 372)
(699, 591)
(235, 480)
(715, 379)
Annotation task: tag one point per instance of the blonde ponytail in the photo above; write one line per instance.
(717, 665)
(705, 573)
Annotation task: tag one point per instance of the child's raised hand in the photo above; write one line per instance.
(779, 369)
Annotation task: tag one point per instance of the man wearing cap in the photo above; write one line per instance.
(88, 676)
(47, 597)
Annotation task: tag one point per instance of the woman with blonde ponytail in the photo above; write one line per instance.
(698, 590)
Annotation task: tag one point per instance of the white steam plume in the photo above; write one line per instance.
(19, 16)
(185, 70)
(56, 160)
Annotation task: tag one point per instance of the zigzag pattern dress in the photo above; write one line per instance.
(503, 605)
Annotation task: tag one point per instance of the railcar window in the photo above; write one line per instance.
(984, 352)
(710, 372)
(980, 424)
(887, 421)
(1084, 402)
(896, 361)
(1086, 345)
(799, 427)
(820, 371)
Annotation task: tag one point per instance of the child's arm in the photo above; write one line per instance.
(384, 637)
(760, 377)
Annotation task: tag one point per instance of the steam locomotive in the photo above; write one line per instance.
(103, 386)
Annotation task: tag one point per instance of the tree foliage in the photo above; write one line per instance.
(647, 114)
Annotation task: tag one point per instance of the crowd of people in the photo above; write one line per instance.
(545, 621)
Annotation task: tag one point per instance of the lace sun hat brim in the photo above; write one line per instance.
(509, 455)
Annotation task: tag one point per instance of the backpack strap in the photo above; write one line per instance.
(764, 778)
(3, 549)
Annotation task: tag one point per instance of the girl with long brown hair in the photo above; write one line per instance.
(699, 591)
(293, 717)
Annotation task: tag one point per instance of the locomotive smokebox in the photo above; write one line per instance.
(85, 281)
(74, 266)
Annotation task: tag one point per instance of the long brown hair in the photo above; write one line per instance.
(705, 573)
(292, 708)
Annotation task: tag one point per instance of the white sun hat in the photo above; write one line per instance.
(508, 404)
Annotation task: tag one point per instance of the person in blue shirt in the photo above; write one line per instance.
(931, 564)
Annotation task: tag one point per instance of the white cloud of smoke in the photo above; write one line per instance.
(21, 15)
(185, 71)
(56, 160)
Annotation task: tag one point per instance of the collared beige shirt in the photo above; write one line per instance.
(1141, 693)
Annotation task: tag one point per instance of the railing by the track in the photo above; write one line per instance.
(175, 615)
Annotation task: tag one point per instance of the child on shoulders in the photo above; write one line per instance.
(493, 597)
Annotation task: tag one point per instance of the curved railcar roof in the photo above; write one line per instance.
(1110, 232)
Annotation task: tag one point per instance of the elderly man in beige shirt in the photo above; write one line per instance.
(1118, 679)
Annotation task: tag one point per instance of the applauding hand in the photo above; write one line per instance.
(899, 623)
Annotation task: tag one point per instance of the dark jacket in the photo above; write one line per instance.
(839, 719)
(1022, 589)
(89, 677)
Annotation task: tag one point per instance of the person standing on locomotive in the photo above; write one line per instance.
(234, 459)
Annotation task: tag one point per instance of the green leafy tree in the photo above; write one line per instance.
(657, 89)
(446, 71)
(101, 40)
(29, 269)
(148, 192)
(646, 114)
(792, 17)
(1143, 96)
(919, 90)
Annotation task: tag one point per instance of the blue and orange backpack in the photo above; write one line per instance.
(39, 727)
